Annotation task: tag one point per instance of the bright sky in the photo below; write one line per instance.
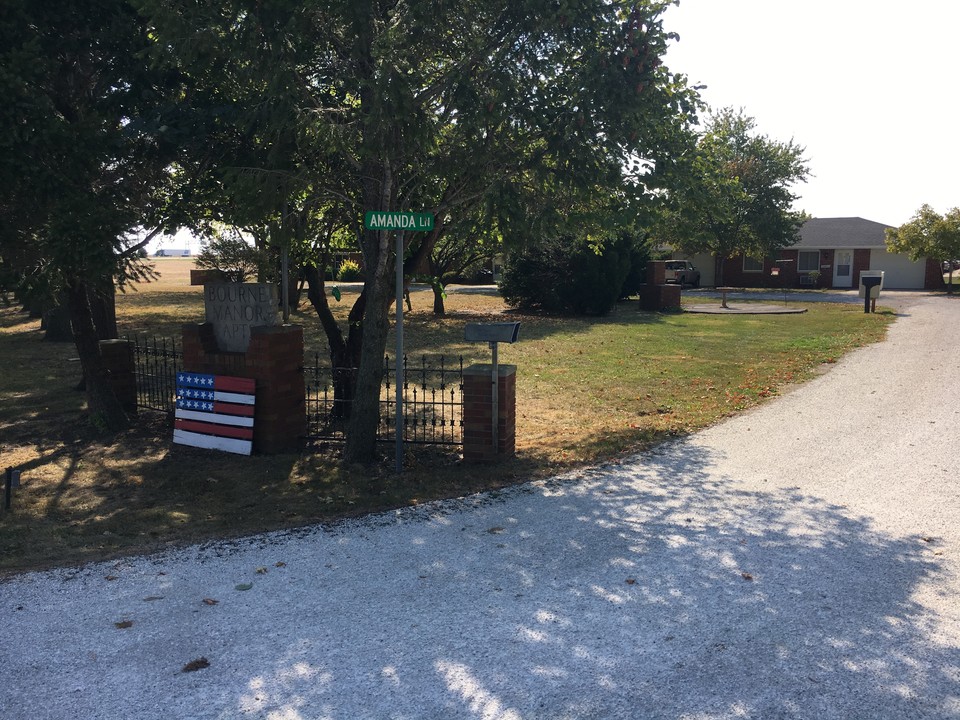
(871, 88)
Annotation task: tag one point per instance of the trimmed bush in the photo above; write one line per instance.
(566, 276)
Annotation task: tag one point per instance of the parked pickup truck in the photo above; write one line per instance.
(682, 272)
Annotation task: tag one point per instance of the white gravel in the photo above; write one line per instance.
(798, 561)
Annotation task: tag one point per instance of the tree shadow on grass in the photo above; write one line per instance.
(137, 492)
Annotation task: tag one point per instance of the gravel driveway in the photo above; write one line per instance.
(798, 561)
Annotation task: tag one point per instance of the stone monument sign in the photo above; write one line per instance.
(234, 308)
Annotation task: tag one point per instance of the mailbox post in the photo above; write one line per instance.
(493, 333)
(871, 282)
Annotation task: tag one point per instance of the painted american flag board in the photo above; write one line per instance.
(215, 412)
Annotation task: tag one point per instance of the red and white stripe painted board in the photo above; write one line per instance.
(215, 412)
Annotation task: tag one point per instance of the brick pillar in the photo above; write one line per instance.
(659, 297)
(198, 344)
(478, 412)
(118, 359)
(274, 359)
(656, 272)
(275, 354)
(656, 295)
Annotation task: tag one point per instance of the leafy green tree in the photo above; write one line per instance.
(461, 249)
(83, 165)
(535, 108)
(739, 197)
(928, 234)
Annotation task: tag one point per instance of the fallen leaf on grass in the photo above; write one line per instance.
(124, 624)
(280, 564)
(198, 664)
(244, 586)
(262, 571)
(151, 598)
(495, 530)
(746, 576)
(631, 581)
(210, 601)
(927, 539)
(111, 577)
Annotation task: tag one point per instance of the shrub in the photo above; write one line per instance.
(566, 276)
(349, 271)
(639, 252)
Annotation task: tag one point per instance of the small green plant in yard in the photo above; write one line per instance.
(349, 271)
(588, 390)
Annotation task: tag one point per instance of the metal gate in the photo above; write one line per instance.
(432, 401)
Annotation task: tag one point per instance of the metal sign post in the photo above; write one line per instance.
(399, 352)
(399, 221)
(778, 270)
(11, 480)
(495, 398)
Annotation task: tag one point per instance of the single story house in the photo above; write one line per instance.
(831, 253)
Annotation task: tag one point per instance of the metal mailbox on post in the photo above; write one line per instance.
(493, 333)
(871, 283)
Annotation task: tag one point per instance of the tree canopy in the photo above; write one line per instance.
(290, 119)
(738, 198)
(545, 114)
(83, 167)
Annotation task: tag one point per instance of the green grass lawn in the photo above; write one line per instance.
(587, 390)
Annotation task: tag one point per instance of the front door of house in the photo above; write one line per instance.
(843, 269)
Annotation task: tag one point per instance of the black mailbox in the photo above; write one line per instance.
(492, 332)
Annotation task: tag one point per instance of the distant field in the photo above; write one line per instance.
(174, 275)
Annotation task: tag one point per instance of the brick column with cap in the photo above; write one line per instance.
(478, 412)
(274, 359)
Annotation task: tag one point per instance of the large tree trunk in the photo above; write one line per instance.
(344, 351)
(103, 307)
(105, 410)
(57, 325)
(438, 308)
(365, 414)
(377, 290)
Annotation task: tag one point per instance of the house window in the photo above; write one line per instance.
(752, 265)
(808, 261)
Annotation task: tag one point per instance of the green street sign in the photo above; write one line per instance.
(415, 222)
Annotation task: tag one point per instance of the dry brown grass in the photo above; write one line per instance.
(588, 389)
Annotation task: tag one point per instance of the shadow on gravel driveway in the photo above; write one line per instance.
(653, 590)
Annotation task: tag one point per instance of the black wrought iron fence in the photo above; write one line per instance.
(156, 362)
(432, 401)
(432, 391)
